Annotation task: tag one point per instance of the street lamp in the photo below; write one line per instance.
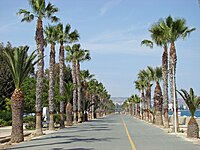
(174, 96)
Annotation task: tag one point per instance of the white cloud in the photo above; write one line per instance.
(109, 5)
(7, 27)
(119, 41)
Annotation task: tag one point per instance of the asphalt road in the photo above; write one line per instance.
(114, 132)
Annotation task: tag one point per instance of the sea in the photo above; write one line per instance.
(187, 113)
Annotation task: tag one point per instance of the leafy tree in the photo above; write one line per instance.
(29, 89)
(6, 82)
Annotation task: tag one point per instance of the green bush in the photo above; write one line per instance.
(6, 115)
(5, 123)
(57, 118)
(30, 122)
(6, 118)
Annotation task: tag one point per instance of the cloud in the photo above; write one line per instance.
(7, 27)
(125, 41)
(109, 5)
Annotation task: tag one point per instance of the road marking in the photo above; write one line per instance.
(129, 137)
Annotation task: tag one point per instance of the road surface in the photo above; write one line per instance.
(114, 132)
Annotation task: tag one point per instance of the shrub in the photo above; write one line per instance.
(57, 118)
(30, 122)
(6, 115)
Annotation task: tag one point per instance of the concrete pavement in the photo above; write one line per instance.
(108, 133)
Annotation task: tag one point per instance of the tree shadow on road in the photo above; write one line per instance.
(73, 149)
(41, 145)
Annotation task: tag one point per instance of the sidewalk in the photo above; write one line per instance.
(5, 133)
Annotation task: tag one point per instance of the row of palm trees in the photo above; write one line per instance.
(166, 32)
(142, 105)
(56, 34)
(88, 95)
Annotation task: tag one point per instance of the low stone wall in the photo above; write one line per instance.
(183, 121)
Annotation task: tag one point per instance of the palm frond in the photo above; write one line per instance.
(189, 99)
(20, 64)
(197, 102)
(147, 43)
(27, 16)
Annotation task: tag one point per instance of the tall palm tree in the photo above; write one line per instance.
(39, 10)
(177, 29)
(140, 85)
(81, 55)
(51, 37)
(192, 102)
(71, 57)
(137, 101)
(85, 78)
(64, 36)
(93, 84)
(160, 35)
(158, 98)
(19, 65)
(148, 76)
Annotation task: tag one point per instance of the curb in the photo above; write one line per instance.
(7, 139)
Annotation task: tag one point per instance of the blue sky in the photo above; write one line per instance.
(113, 30)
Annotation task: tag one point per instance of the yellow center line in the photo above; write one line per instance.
(129, 137)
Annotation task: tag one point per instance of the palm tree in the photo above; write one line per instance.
(148, 76)
(81, 55)
(69, 87)
(158, 98)
(177, 28)
(192, 102)
(19, 65)
(140, 85)
(51, 37)
(160, 35)
(71, 57)
(137, 101)
(85, 78)
(64, 36)
(39, 10)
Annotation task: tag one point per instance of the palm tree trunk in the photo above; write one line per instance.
(40, 72)
(62, 105)
(61, 83)
(78, 89)
(51, 87)
(17, 104)
(165, 87)
(92, 115)
(158, 99)
(193, 128)
(172, 71)
(143, 102)
(74, 91)
(69, 114)
(148, 99)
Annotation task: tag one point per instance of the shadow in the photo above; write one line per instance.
(71, 140)
(73, 149)
(53, 137)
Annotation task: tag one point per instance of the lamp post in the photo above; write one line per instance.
(174, 96)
